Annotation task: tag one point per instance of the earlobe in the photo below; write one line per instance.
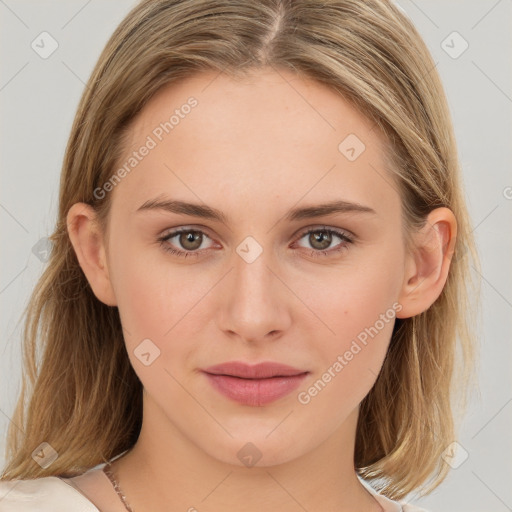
(87, 242)
(428, 265)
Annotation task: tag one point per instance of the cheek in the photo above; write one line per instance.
(142, 292)
(347, 364)
(357, 307)
(139, 290)
(157, 301)
(154, 304)
(353, 296)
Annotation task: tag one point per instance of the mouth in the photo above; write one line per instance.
(255, 385)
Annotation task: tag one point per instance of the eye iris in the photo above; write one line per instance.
(320, 236)
(192, 237)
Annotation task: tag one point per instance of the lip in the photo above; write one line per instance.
(262, 370)
(254, 385)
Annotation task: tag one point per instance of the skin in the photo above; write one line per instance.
(253, 149)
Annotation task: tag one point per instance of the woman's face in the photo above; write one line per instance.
(247, 282)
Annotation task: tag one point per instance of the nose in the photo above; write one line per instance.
(255, 301)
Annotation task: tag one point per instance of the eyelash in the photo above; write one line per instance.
(314, 253)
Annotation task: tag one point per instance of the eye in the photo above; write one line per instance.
(322, 238)
(190, 239)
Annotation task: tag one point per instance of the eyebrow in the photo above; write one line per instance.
(207, 212)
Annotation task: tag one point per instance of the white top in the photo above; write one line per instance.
(54, 494)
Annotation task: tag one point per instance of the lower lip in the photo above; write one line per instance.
(255, 392)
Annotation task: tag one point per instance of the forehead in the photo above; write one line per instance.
(271, 133)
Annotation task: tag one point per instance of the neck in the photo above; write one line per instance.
(165, 470)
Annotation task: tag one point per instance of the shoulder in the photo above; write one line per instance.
(46, 494)
(391, 505)
(407, 507)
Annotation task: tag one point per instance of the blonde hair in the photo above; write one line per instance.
(84, 398)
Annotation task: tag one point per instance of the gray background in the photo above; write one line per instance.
(38, 99)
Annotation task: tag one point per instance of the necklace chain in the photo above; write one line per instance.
(108, 471)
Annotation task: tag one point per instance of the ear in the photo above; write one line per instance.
(88, 243)
(427, 267)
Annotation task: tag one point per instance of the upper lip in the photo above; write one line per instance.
(256, 371)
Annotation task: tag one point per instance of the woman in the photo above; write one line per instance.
(252, 300)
